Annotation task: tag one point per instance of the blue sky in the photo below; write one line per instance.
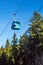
(8, 7)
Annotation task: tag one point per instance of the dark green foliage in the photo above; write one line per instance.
(7, 43)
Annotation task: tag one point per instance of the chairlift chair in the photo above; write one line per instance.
(15, 25)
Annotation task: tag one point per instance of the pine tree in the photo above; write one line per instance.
(14, 41)
(7, 43)
(35, 35)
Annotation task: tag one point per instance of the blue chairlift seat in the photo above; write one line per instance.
(15, 25)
